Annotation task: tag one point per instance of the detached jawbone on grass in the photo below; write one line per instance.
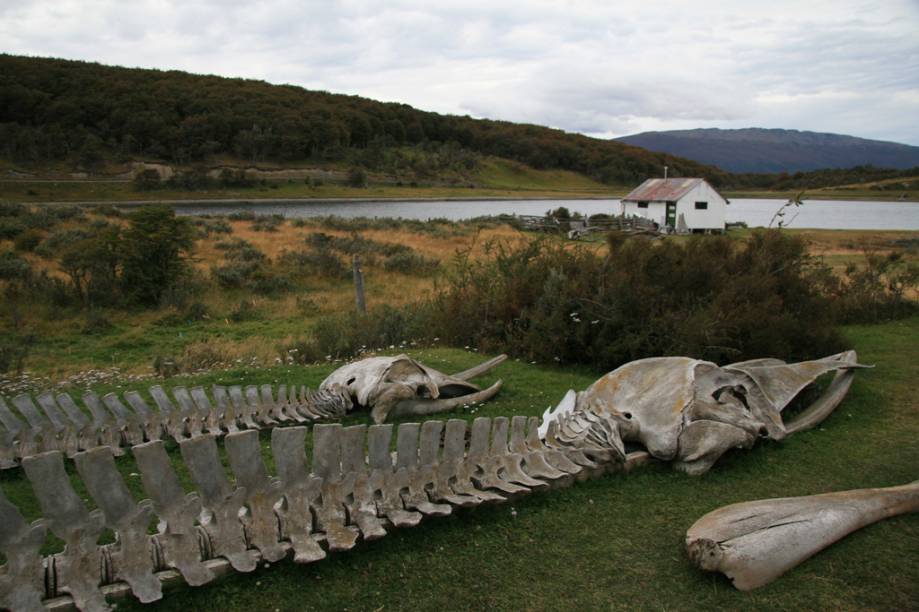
(401, 386)
(691, 412)
(753, 543)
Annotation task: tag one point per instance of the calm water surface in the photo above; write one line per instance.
(820, 214)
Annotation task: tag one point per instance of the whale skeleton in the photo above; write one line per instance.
(355, 486)
(387, 386)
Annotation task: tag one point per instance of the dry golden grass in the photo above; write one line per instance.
(139, 335)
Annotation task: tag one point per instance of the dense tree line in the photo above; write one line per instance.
(64, 110)
(85, 113)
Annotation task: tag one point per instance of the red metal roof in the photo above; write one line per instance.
(662, 190)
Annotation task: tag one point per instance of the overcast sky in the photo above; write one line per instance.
(604, 68)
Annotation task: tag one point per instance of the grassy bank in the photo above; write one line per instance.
(830, 193)
(492, 178)
(616, 542)
(502, 187)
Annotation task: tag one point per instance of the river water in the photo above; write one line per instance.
(818, 214)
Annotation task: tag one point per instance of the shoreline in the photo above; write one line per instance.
(372, 200)
(382, 199)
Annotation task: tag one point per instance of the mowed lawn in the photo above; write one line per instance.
(615, 542)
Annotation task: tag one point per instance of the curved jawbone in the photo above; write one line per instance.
(401, 386)
(755, 542)
(691, 412)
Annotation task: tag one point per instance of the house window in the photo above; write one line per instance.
(642, 205)
(701, 205)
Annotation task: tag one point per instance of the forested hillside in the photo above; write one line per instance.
(53, 110)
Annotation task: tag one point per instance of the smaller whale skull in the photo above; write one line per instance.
(401, 386)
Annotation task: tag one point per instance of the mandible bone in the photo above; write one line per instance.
(753, 543)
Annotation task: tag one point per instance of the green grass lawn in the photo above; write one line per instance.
(615, 542)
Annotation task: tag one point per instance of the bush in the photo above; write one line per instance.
(147, 180)
(56, 241)
(28, 240)
(348, 335)
(247, 267)
(96, 324)
(206, 227)
(13, 267)
(235, 178)
(107, 210)
(10, 228)
(877, 290)
(357, 177)
(409, 262)
(355, 244)
(708, 297)
(244, 311)
(315, 262)
(236, 274)
(191, 180)
(197, 312)
(14, 349)
(268, 223)
(12, 209)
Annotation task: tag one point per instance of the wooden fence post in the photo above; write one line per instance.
(359, 285)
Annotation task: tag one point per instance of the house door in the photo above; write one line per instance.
(670, 220)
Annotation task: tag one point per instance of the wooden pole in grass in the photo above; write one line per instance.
(359, 285)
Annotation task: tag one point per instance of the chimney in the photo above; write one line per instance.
(665, 172)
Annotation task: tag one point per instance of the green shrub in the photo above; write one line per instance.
(268, 223)
(314, 262)
(107, 210)
(14, 349)
(357, 177)
(10, 228)
(147, 180)
(410, 262)
(51, 246)
(67, 213)
(247, 267)
(197, 312)
(236, 274)
(12, 209)
(877, 290)
(96, 323)
(244, 311)
(350, 334)
(28, 240)
(206, 227)
(708, 297)
(13, 267)
(235, 178)
(355, 244)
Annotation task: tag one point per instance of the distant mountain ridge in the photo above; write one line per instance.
(776, 150)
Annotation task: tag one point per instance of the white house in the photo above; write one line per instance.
(678, 204)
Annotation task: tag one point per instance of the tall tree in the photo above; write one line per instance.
(155, 249)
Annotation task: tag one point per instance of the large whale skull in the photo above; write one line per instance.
(690, 411)
(401, 386)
